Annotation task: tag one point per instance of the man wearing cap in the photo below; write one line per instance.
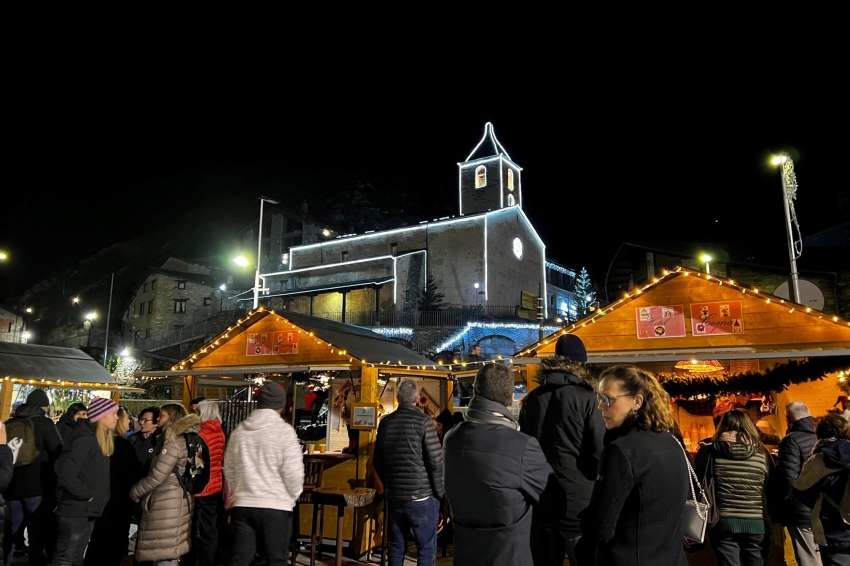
(264, 467)
(561, 413)
(31, 494)
(193, 404)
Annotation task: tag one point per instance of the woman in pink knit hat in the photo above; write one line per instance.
(82, 479)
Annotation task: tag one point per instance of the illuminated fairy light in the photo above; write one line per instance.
(486, 281)
(489, 132)
(493, 325)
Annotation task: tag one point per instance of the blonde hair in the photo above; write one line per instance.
(654, 413)
(175, 412)
(119, 429)
(105, 438)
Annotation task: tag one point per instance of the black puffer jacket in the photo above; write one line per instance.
(82, 475)
(562, 415)
(6, 464)
(785, 508)
(827, 475)
(408, 457)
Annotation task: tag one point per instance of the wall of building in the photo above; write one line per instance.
(456, 259)
(11, 326)
(482, 199)
(407, 239)
(163, 294)
(508, 276)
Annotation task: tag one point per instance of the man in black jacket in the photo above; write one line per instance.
(786, 508)
(409, 463)
(494, 474)
(144, 442)
(561, 414)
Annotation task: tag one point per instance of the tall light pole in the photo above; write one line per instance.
(705, 258)
(263, 199)
(90, 317)
(789, 195)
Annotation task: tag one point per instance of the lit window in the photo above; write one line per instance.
(511, 200)
(180, 306)
(181, 284)
(517, 247)
(510, 179)
(480, 176)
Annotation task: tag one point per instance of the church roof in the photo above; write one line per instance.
(488, 146)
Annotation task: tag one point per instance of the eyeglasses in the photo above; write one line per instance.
(608, 399)
(145, 420)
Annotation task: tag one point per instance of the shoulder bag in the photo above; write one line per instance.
(695, 514)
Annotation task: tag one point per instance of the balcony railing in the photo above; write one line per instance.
(451, 316)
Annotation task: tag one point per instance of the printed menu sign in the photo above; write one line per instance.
(660, 322)
(713, 319)
(272, 343)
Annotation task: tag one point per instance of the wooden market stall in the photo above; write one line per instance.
(271, 345)
(734, 339)
(50, 367)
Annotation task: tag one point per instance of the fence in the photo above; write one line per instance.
(236, 409)
(197, 329)
(453, 316)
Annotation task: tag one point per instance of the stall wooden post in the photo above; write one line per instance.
(188, 390)
(369, 392)
(531, 371)
(6, 398)
(116, 397)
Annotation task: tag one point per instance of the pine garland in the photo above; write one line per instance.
(777, 378)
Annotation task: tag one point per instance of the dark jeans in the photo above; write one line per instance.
(739, 549)
(421, 517)
(204, 531)
(28, 510)
(549, 545)
(73, 536)
(270, 529)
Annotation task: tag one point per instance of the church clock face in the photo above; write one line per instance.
(517, 247)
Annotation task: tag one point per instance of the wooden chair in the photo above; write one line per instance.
(313, 469)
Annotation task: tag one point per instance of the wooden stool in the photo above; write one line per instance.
(341, 498)
(312, 479)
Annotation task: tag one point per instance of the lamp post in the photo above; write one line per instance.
(263, 199)
(789, 195)
(705, 258)
(88, 324)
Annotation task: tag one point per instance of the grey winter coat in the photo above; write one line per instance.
(165, 527)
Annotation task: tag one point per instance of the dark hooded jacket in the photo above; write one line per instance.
(38, 477)
(6, 464)
(494, 475)
(785, 508)
(82, 474)
(562, 415)
(824, 485)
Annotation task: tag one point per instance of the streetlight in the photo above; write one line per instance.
(705, 258)
(88, 324)
(75, 301)
(789, 195)
(3, 256)
(263, 199)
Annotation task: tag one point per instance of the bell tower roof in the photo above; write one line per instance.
(488, 146)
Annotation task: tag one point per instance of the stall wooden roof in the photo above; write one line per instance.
(772, 327)
(52, 366)
(323, 345)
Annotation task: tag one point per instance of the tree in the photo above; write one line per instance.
(585, 295)
(430, 299)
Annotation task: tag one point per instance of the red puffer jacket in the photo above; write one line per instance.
(214, 437)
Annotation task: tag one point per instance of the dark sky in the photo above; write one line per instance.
(623, 151)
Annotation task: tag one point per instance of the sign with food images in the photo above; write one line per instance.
(717, 318)
(272, 343)
(660, 322)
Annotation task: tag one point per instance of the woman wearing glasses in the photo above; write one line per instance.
(635, 512)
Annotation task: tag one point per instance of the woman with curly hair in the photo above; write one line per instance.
(740, 465)
(635, 511)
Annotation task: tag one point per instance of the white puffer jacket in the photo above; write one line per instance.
(263, 462)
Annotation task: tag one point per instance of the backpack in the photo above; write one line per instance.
(196, 474)
(22, 427)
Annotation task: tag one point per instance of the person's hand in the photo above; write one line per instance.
(15, 446)
(2, 433)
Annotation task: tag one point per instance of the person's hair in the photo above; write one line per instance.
(175, 411)
(105, 438)
(445, 419)
(797, 410)
(119, 429)
(408, 392)
(208, 411)
(654, 413)
(496, 383)
(457, 417)
(833, 425)
(738, 421)
(154, 411)
(75, 408)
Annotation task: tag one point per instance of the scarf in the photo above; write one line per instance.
(485, 411)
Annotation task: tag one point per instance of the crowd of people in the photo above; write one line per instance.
(593, 470)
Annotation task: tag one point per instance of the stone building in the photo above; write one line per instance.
(485, 258)
(12, 326)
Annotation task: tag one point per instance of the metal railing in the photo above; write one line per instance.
(201, 328)
(450, 316)
(236, 409)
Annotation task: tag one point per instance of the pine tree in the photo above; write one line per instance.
(430, 299)
(585, 295)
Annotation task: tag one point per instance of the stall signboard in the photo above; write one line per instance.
(717, 318)
(272, 343)
(660, 322)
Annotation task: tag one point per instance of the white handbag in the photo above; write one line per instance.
(695, 513)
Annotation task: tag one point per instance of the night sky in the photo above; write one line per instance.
(613, 155)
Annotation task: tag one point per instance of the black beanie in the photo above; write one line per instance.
(38, 398)
(272, 396)
(571, 347)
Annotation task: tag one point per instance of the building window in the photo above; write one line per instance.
(153, 284)
(141, 309)
(147, 332)
(181, 284)
(517, 247)
(393, 249)
(145, 288)
(207, 301)
(511, 201)
(180, 306)
(150, 307)
(480, 176)
(510, 179)
(343, 256)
